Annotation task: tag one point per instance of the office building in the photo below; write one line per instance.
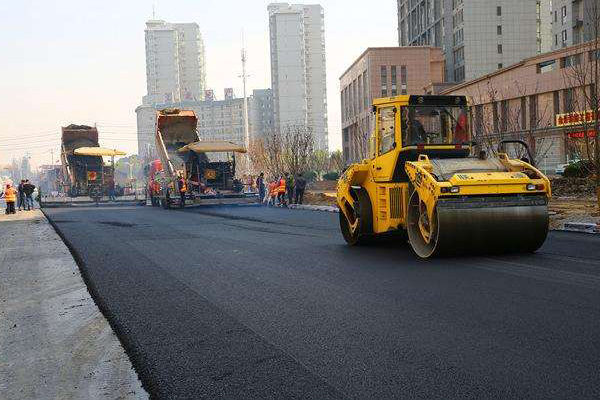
(477, 36)
(175, 65)
(382, 72)
(573, 21)
(298, 77)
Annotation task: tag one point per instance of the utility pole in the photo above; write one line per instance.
(246, 127)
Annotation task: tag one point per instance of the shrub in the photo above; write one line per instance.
(331, 176)
(579, 169)
(310, 176)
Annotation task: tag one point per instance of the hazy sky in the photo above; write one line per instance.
(67, 61)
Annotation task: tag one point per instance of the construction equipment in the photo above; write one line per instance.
(183, 155)
(420, 181)
(83, 169)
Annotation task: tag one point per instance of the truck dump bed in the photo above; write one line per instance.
(78, 169)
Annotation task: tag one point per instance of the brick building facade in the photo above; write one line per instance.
(529, 100)
(382, 72)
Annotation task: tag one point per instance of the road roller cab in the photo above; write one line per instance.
(422, 180)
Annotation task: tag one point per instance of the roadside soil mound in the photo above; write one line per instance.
(322, 186)
(573, 187)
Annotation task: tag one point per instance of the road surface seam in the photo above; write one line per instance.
(542, 273)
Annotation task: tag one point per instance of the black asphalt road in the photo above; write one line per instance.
(255, 303)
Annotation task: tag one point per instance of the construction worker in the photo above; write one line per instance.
(260, 185)
(289, 187)
(21, 195)
(272, 193)
(182, 189)
(10, 195)
(281, 192)
(300, 186)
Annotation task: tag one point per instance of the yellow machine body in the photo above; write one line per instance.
(420, 179)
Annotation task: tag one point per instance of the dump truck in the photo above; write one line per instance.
(82, 173)
(184, 156)
(422, 182)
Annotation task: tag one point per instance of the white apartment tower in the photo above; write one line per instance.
(298, 78)
(477, 36)
(175, 67)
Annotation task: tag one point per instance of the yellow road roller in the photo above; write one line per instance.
(422, 181)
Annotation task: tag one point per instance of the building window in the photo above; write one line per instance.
(499, 65)
(499, 29)
(563, 15)
(546, 66)
(495, 118)
(533, 120)
(568, 100)
(564, 38)
(403, 79)
(556, 40)
(499, 49)
(498, 11)
(555, 16)
(556, 98)
(505, 116)
(479, 120)
(384, 91)
(393, 77)
(523, 113)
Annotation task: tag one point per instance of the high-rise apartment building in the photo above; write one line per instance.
(262, 117)
(573, 21)
(298, 68)
(477, 36)
(175, 67)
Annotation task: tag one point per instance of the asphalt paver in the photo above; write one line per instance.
(269, 303)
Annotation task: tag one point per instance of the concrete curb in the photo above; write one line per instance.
(584, 227)
(314, 207)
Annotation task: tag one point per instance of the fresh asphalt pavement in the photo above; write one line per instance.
(262, 303)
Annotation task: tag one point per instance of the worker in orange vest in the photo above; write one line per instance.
(281, 192)
(10, 195)
(272, 193)
(182, 185)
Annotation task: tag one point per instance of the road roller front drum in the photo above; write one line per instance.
(479, 224)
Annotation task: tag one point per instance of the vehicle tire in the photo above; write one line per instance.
(360, 230)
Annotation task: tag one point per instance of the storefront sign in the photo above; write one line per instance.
(581, 134)
(577, 118)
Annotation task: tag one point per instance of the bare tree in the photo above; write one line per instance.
(298, 142)
(582, 73)
(336, 161)
(286, 150)
(319, 162)
(496, 117)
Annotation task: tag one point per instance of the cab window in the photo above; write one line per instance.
(387, 119)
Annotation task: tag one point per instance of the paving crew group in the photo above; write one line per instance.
(21, 197)
(284, 190)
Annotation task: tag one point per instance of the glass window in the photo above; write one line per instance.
(499, 29)
(387, 121)
(435, 125)
(498, 11)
